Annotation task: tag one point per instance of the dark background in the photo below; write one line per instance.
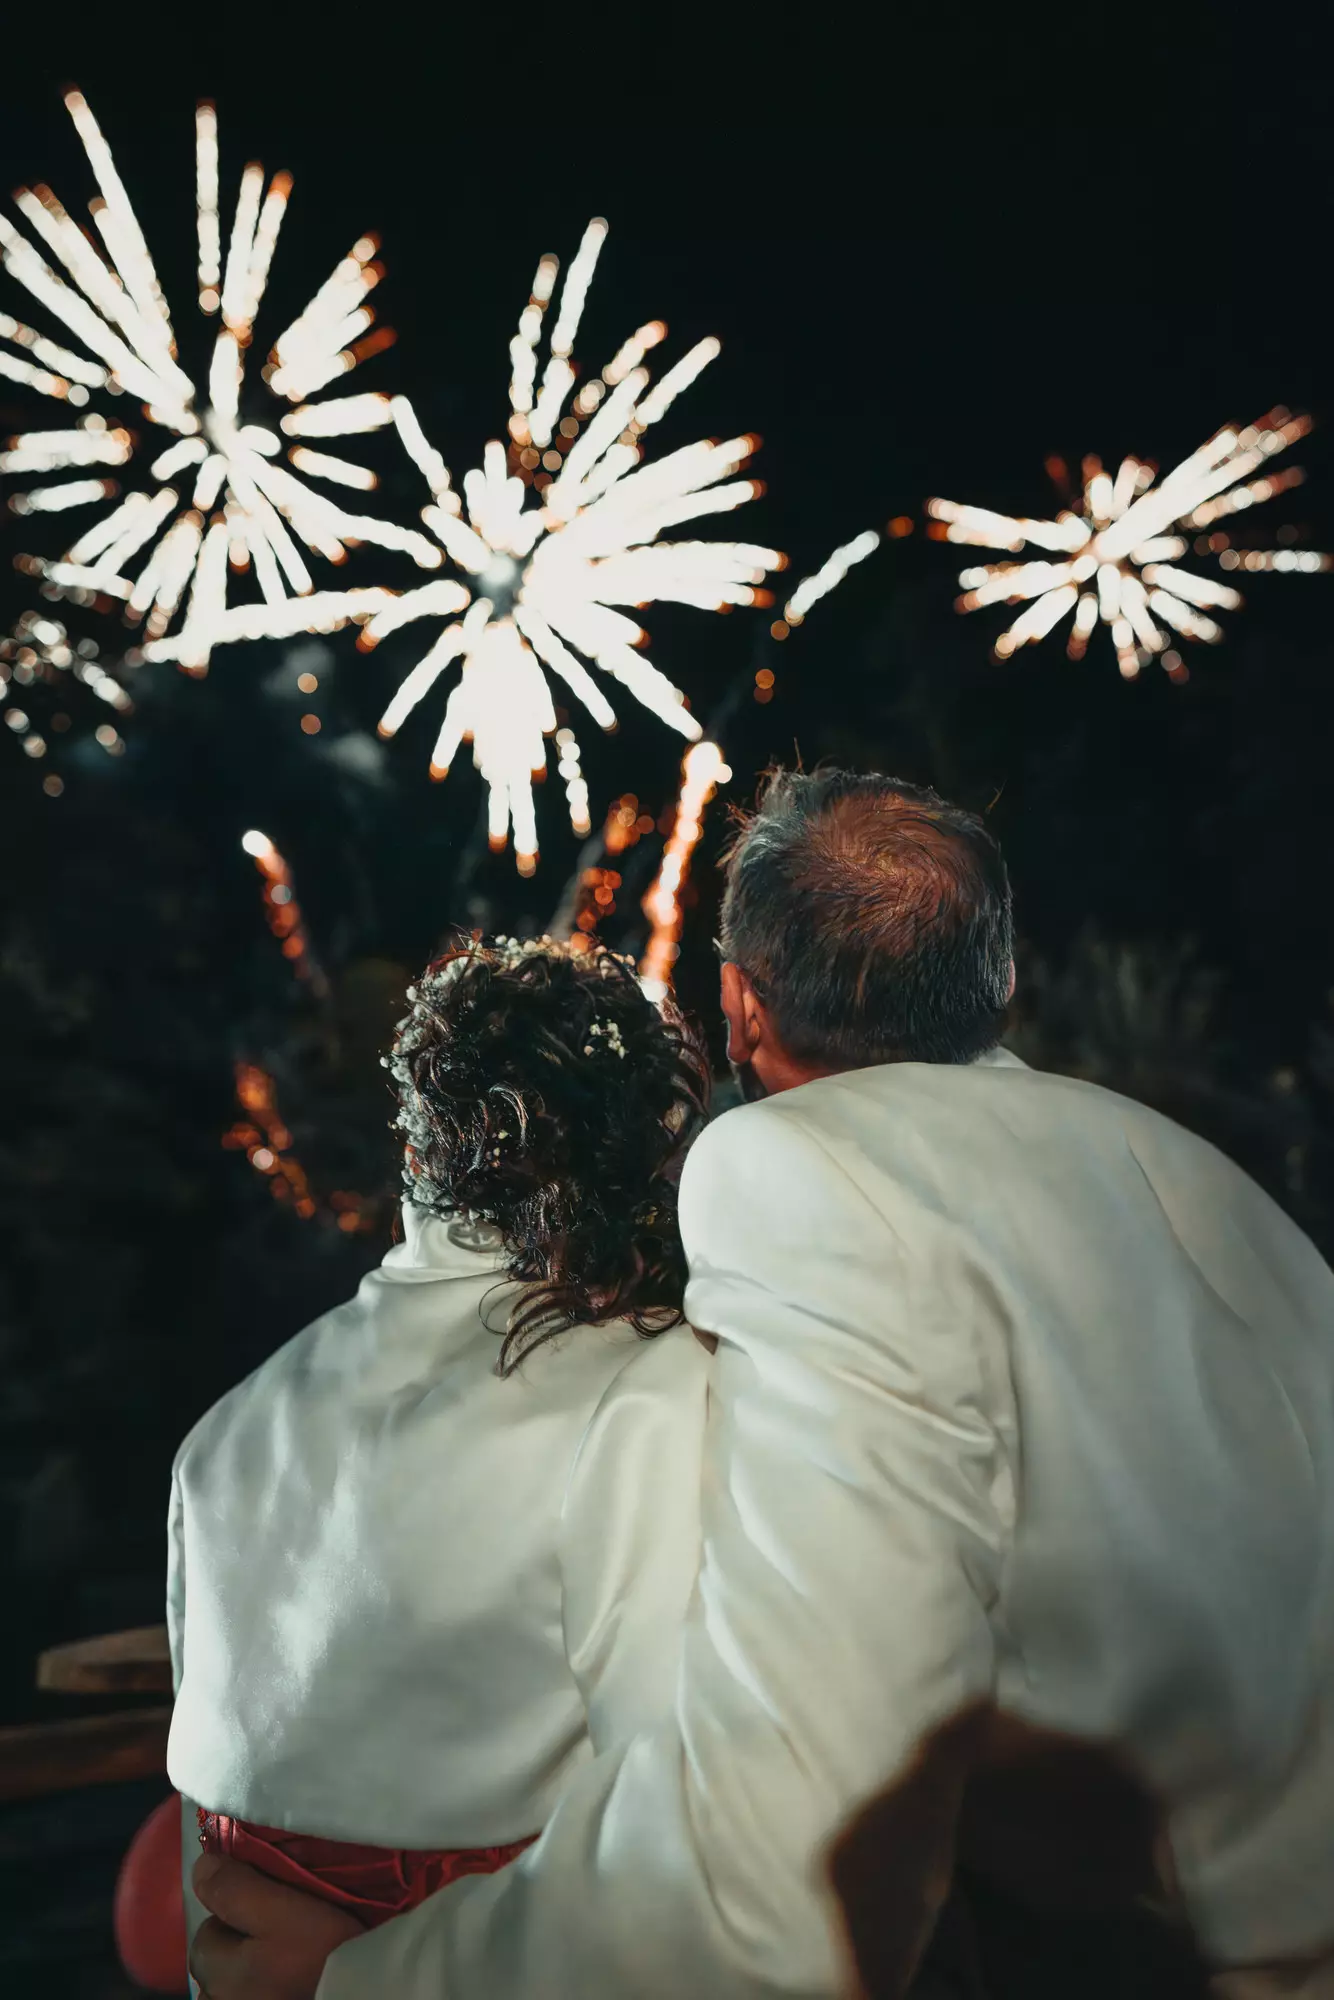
(931, 265)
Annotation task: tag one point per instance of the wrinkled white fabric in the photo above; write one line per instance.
(1022, 1390)
(405, 1595)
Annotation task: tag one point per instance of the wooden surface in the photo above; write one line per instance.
(136, 1662)
(38, 1758)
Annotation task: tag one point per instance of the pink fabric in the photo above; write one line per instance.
(374, 1883)
(149, 1907)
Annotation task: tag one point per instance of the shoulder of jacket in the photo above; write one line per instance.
(658, 1393)
(781, 1121)
(672, 1361)
(267, 1382)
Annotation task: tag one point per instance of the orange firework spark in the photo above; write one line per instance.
(283, 910)
(267, 1144)
(626, 824)
(702, 771)
(266, 1140)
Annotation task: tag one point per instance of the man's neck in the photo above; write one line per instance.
(782, 1072)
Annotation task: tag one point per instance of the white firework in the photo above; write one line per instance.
(829, 575)
(1116, 558)
(548, 576)
(218, 497)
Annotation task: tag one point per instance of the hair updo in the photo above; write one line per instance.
(540, 1091)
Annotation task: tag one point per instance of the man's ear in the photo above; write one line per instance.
(1009, 992)
(739, 1009)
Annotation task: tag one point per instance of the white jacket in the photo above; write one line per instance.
(407, 1599)
(1022, 1390)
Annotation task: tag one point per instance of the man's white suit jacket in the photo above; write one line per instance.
(1021, 1391)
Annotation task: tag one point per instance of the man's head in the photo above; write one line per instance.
(865, 921)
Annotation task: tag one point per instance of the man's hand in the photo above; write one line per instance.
(263, 1941)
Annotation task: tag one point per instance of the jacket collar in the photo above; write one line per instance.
(999, 1059)
(449, 1244)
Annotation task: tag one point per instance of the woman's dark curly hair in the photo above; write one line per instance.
(542, 1092)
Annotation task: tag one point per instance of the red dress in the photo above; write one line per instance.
(373, 1883)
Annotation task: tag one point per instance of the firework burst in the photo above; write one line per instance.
(1114, 558)
(554, 533)
(217, 496)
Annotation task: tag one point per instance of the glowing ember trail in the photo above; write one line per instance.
(702, 771)
(282, 909)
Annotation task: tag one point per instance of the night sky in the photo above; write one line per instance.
(913, 300)
(909, 304)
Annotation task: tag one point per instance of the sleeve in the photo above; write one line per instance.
(854, 1522)
(630, 1536)
(195, 1913)
(176, 1579)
